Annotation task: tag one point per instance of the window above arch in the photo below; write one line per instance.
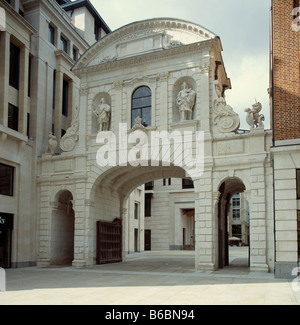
(141, 105)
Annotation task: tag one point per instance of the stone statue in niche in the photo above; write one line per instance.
(102, 113)
(225, 118)
(186, 102)
(52, 143)
(253, 118)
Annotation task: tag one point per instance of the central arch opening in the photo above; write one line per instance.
(155, 206)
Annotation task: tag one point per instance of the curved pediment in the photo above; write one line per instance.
(143, 37)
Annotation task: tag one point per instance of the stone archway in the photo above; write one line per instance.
(62, 229)
(227, 189)
(112, 189)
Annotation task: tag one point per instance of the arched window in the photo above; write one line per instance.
(141, 105)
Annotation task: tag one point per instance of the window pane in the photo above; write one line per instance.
(65, 98)
(74, 54)
(136, 211)
(13, 117)
(64, 44)
(141, 105)
(237, 231)
(236, 202)
(187, 183)
(6, 180)
(236, 214)
(134, 114)
(141, 102)
(148, 198)
(149, 185)
(146, 116)
(14, 66)
(142, 92)
(51, 34)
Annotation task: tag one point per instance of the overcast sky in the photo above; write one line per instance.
(243, 27)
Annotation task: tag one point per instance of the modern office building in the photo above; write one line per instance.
(40, 40)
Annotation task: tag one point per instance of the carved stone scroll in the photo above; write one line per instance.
(225, 118)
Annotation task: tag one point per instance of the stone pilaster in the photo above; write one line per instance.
(58, 104)
(4, 76)
(204, 224)
(23, 89)
(79, 233)
(258, 226)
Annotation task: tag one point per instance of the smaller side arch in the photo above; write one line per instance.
(226, 189)
(62, 228)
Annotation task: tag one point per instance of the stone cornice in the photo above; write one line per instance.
(137, 30)
(62, 55)
(22, 21)
(130, 61)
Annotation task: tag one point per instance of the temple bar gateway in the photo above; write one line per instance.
(158, 75)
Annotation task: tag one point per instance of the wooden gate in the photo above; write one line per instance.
(109, 242)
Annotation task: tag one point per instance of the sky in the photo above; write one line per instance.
(243, 27)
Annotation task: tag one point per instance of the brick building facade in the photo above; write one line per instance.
(285, 86)
(286, 71)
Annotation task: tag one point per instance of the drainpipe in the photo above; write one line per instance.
(271, 68)
(272, 104)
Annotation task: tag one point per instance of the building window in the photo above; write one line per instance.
(166, 181)
(298, 183)
(236, 207)
(236, 201)
(65, 102)
(141, 105)
(6, 180)
(75, 54)
(51, 33)
(237, 231)
(236, 214)
(29, 76)
(13, 117)
(64, 44)
(136, 210)
(14, 66)
(148, 199)
(96, 32)
(187, 183)
(149, 186)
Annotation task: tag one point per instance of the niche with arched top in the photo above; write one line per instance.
(62, 229)
(188, 85)
(101, 113)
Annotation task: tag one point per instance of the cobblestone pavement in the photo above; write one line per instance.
(149, 278)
